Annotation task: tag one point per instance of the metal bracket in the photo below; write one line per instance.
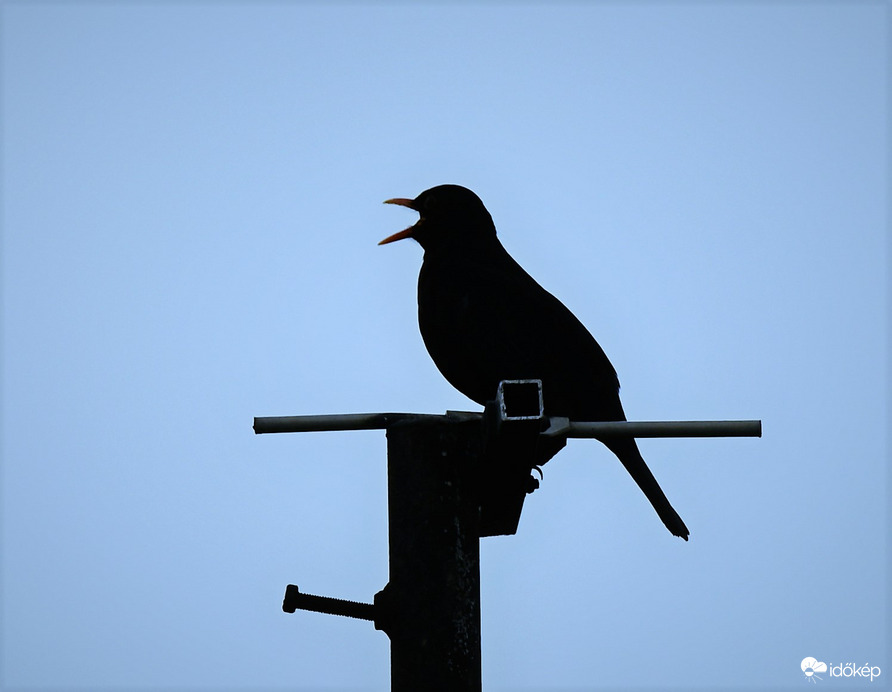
(513, 447)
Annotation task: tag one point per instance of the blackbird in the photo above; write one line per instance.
(484, 319)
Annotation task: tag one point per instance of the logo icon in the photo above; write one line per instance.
(811, 667)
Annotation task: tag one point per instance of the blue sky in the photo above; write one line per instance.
(191, 205)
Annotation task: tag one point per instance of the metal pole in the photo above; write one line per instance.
(324, 423)
(352, 421)
(559, 426)
(437, 484)
(431, 607)
(662, 428)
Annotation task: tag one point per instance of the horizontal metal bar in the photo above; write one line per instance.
(341, 421)
(559, 426)
(685, 428)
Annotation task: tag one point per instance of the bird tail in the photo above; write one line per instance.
(626, 449)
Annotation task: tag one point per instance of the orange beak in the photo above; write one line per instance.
(402, 234)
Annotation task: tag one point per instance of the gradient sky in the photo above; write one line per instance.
(191, 205)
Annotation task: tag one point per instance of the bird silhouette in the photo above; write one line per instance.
(483, 319)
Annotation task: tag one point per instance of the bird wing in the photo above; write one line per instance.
(485, 319)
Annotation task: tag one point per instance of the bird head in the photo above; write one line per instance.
(450, 214)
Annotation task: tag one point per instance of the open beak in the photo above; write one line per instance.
(402, 234)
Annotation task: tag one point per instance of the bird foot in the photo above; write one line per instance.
(533, 482)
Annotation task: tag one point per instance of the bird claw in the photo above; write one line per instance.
(533, 482)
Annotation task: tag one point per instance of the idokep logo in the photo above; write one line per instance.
(812, 666)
